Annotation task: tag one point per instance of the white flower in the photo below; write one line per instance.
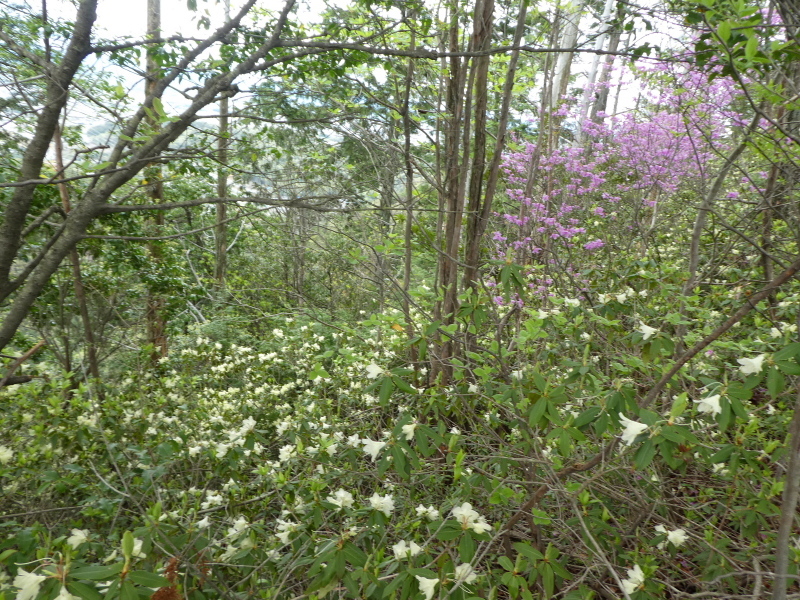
(431, 513)
(238, 526)
(775, 332)
(632, 429)
(470, 519)
(287, 452)
(646, 331)
(572, 302)
(277, 333)
(634, 581)
(28, 584)
(384, 504)
(427, 585)
(137, 549)
(284, 529)
(65, 595)
(472, 389)
(709, 405)
(202, 524)
(402, 550)
(517, 375)
(6, 454)
(465, 574)
(372, 448)
(408, 430)
(341, 498)
(676, 537)
(751, 365)
(374, 371)
(78, 537)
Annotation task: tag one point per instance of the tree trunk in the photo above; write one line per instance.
(453, 200)
(589, 86)
(479, 217)
(568, 41)
(77, 277)
(221, 230)
(156, 319)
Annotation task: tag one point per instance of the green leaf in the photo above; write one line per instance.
(449, 531)
(354, 555)
(679, 405)
(97, 572)
(559, 570)
(506, 563)
(738, 408)
(394, 584)
(127, 591)
(751, 48)
(723, 454)
(536, 412)
(402, 385)
(540, 517)
(127, 544)
(789, 351)
(548, 579)
(387, 386)
(528, 551)
(644, 455)
(148, 579)
(724, 31)
(587, 416)
(466, 547)
(83, 591)
(672, 433)
(539, 381)
(789, 367)
(775, 382)
(6, 553)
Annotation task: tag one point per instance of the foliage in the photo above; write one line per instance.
(301, 438)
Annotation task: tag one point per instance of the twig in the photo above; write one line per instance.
(15, 365)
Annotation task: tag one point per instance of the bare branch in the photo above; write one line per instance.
(277, 202)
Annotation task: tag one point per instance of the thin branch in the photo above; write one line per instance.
(277, 202)
(16, 364)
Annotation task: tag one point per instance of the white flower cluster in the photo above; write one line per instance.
(676, 537)
(634, 581)
(470, 519)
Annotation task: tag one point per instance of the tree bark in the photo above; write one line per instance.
(221, 232)
(156, 303)
(59, 79)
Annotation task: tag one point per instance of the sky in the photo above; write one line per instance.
(119, 18)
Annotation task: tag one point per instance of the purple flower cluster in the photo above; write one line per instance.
(637, 158)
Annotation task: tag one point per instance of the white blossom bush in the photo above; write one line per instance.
(320, 464)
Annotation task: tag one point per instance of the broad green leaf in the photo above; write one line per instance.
(751, 47)
(96, 572)
(148, 579)
(724, 31)
(775, 382)
(644, 455)
(127, 591)
(83, 591)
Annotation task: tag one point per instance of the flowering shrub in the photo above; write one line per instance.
(314, 466)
